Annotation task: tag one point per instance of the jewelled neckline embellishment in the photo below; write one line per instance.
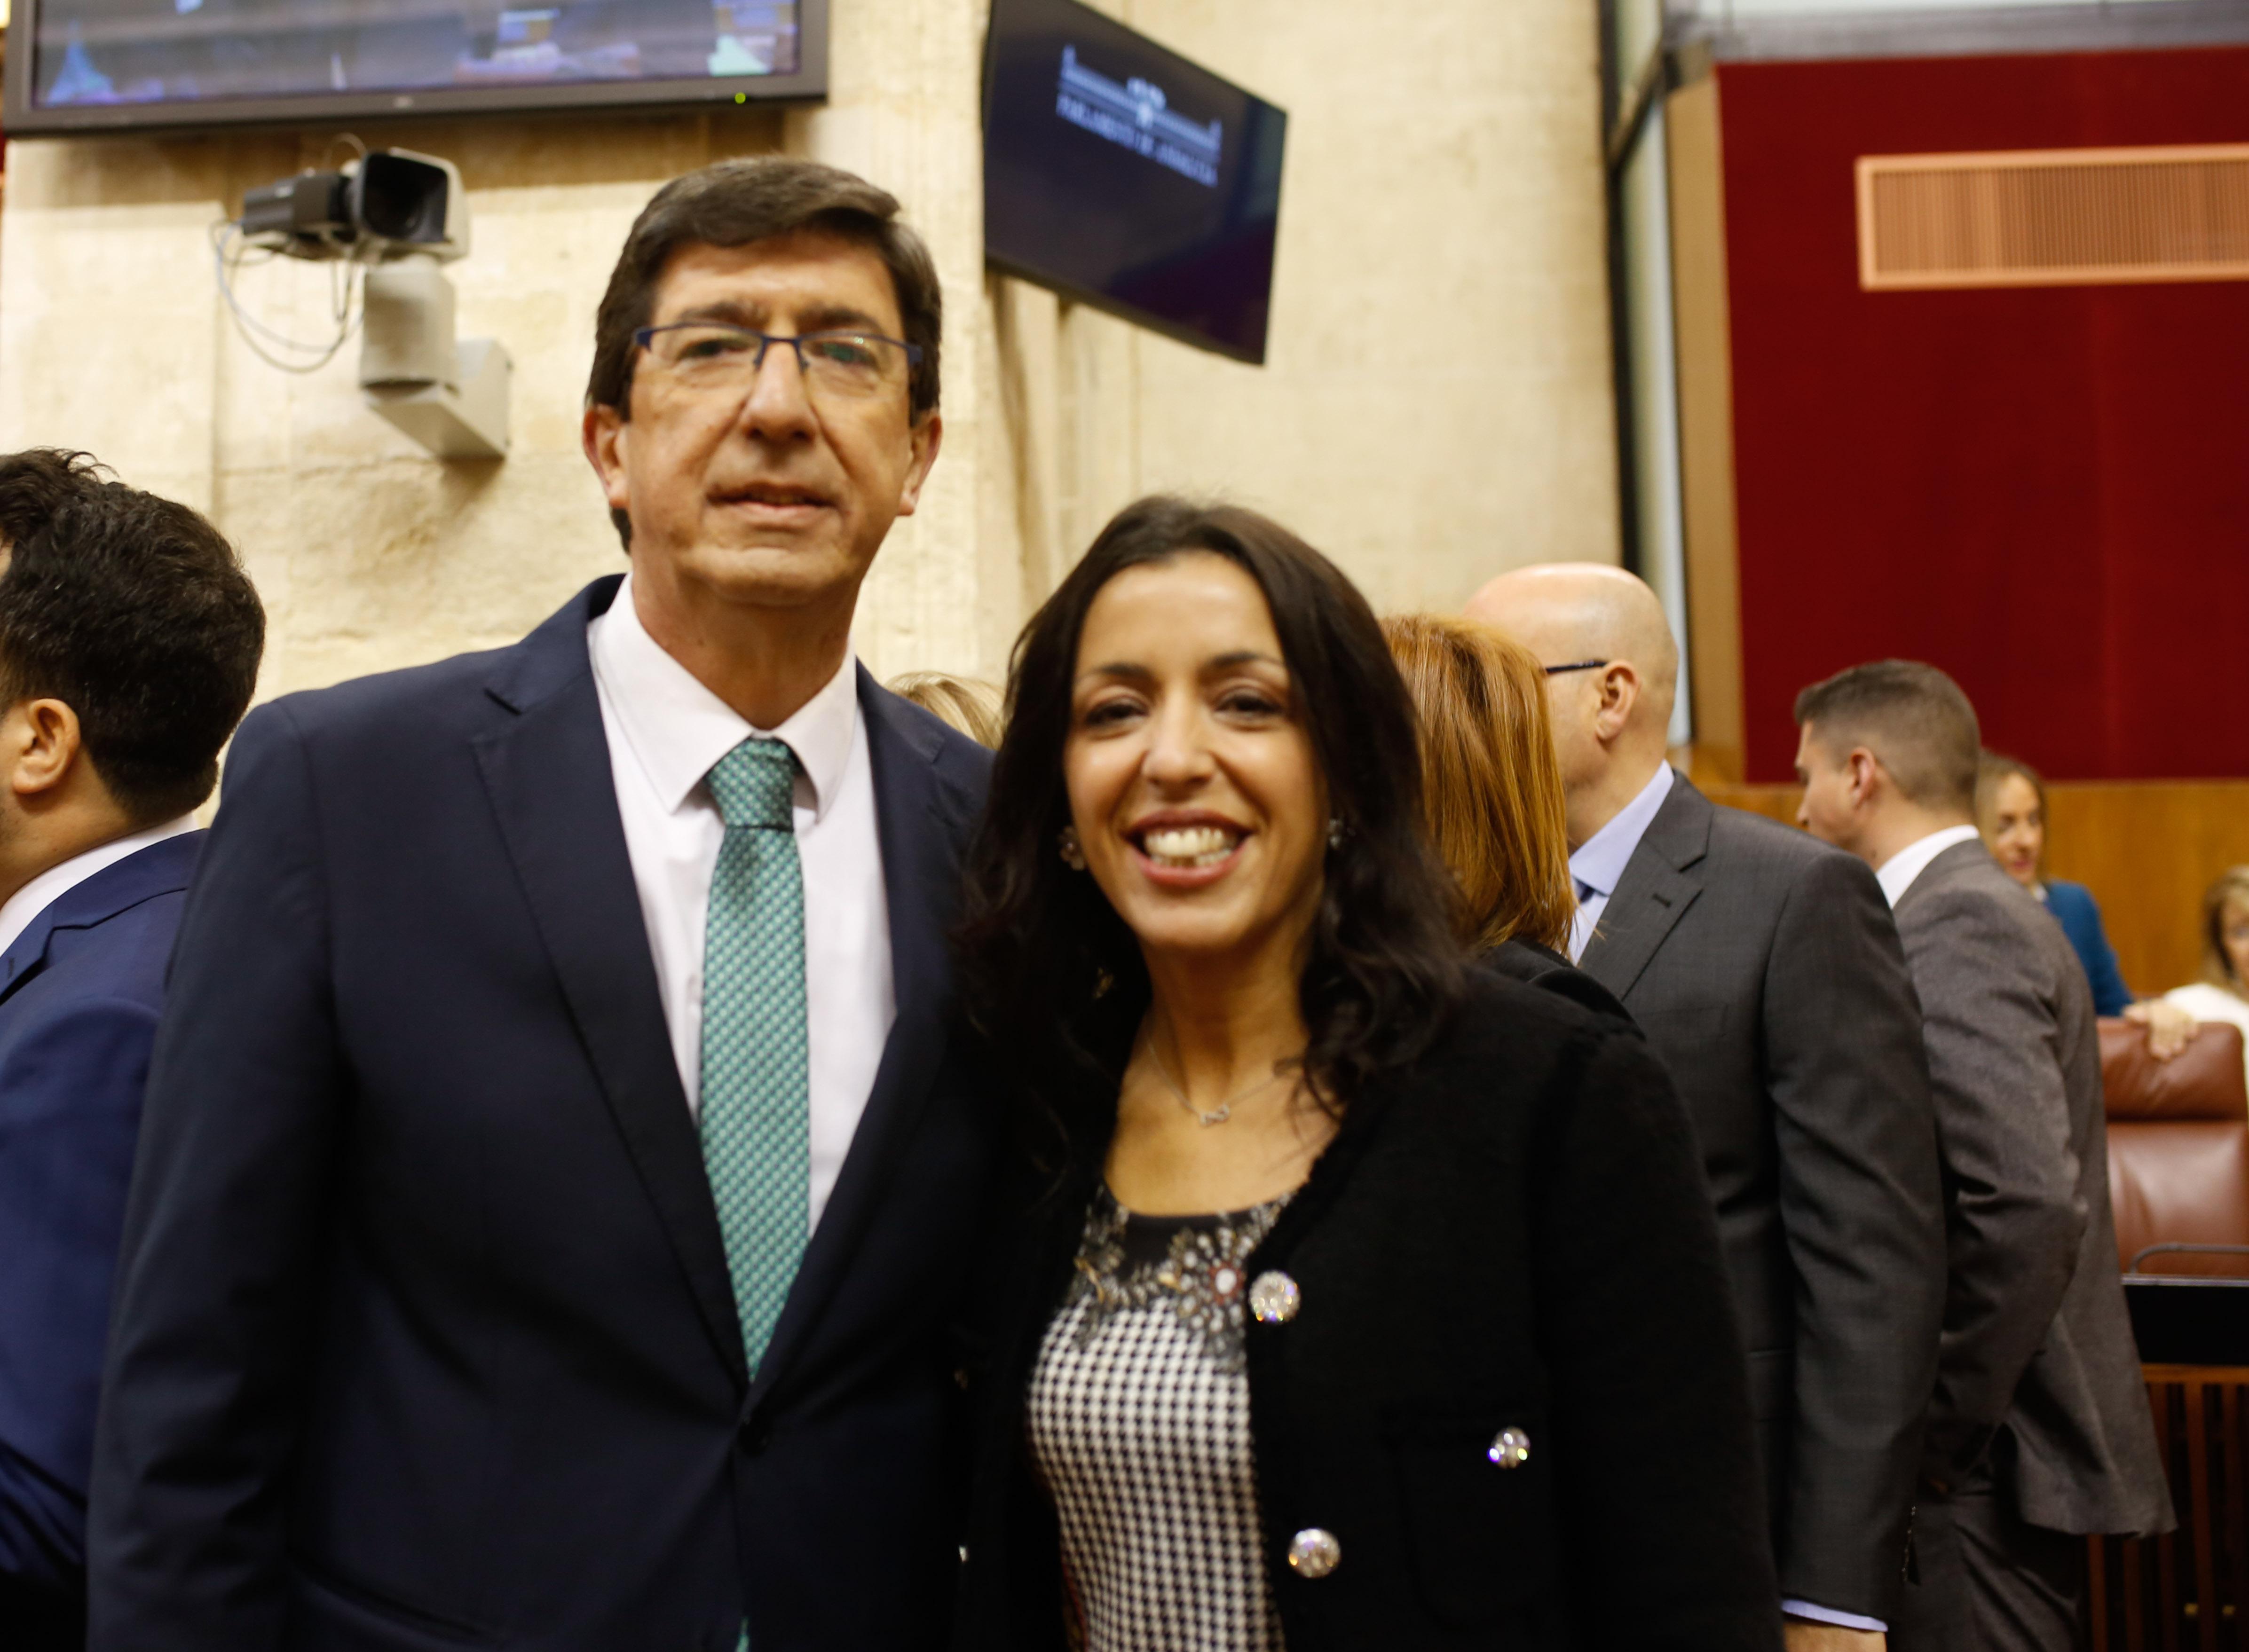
(1201, 1275)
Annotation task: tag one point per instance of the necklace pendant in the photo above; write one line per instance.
(1216, 1115)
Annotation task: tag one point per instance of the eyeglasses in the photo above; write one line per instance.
(711, 357)
(1574, 665)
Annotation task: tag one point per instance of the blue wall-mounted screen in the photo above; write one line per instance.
(1120, 174)
(91, 64)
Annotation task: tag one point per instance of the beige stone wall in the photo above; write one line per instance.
(1436, 405)
(368, 554)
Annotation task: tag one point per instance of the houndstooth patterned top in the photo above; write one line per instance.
(1139, 1425)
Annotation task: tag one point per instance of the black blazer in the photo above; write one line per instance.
(424, 1337)
(1765, 970)
(1511, 1232)
(1541, 966)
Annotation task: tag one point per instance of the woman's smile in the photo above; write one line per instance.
(1192, 851)
(1192, 783)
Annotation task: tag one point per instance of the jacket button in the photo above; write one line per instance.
(1314, 1553)
(1510, 1448)
(755, 1436)
(1274, 1300)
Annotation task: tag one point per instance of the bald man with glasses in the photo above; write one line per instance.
(1765, 970)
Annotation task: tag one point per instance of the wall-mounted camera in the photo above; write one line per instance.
(392, 203)
(401, 216)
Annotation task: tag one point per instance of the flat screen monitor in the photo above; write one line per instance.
(1119, 174)
(89, 65)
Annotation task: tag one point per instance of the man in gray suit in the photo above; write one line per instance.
(2040, 1431)
(1765, 970)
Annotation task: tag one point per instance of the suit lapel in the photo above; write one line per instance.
(1657, 888)
(918, 823)
(162, 867)
(552, 788)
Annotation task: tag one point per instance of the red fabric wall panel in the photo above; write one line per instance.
(2044, 491)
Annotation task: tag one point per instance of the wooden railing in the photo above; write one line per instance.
(2188, 1592)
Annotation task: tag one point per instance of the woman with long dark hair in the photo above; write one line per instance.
(1354, 1298)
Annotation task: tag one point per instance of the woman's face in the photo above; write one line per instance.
(2233, 936)
(1193, 785)
(2018, 829)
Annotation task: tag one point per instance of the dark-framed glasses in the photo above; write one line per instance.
(720, 358)
(1574, 665)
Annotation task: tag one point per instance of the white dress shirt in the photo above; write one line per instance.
(1600, 859)
(1896, 874)
(666, 731)
(56, 881)
(2207, 1003)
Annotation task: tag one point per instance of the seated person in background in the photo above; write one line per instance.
(2223, 992)
(128, 648)
(2011, 815)
(2038, 1432)
(965, 704)
(1491, 800)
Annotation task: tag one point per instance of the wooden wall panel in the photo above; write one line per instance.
(1706, 424)
(2147, 849)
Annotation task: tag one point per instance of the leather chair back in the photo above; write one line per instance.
(2179, 1148)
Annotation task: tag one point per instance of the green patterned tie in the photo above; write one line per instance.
(756, 1065)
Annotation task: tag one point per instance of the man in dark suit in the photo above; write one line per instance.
(558, 1176)
(128, 648)
(2039, 1431)
(1765, 970)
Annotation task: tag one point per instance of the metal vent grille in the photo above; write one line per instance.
(2053, 217)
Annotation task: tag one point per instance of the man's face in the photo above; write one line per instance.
(1573, 698)
(1829, 810)
(780, 494)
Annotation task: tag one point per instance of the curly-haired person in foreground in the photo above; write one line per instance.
(129, 642)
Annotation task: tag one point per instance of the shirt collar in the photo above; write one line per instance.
(1896, 874)
(58, 880)
(1600, 859)
(677, 729)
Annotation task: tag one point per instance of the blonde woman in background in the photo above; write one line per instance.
(1492, 800)
(2223, 992)
(2011, 815)
(966, 704)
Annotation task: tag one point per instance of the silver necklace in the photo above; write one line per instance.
(1224, 1110)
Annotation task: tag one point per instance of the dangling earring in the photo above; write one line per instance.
(1072, 856)
(1337, 832)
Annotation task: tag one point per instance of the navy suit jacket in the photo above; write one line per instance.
(79, 991)
(424, 1337)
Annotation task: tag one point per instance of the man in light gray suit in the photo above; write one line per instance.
(2040, 1431)
(1765, 970)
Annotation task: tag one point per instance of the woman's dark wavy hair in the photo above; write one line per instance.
(1052, 976)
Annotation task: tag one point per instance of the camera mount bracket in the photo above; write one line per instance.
(450, 397)
(399, 216)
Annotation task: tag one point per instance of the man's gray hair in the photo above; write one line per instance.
(1910, 715)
